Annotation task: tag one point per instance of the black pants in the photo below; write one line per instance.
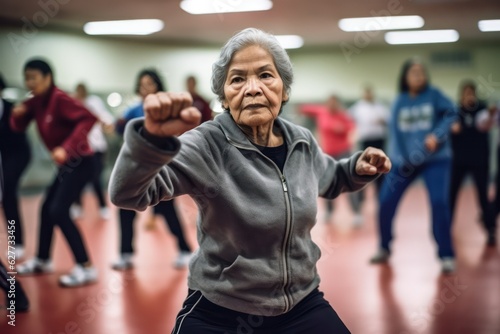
(480, 175)
(64, 191)
(312, 315)
(15, 293)
(164, 208)
(497, 186)
(13, 166)
(98, 162)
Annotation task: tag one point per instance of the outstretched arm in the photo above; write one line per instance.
(146, 171)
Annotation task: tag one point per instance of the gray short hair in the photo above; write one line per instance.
(244, 38)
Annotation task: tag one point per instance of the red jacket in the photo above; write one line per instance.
(61, 120)
(334, 129)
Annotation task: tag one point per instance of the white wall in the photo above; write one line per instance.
(111, 65)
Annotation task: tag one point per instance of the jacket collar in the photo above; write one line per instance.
(291, 132)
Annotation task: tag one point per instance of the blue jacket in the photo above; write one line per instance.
(412, 119)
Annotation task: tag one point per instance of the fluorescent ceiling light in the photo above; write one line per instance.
(381, 23)
(114, 99)
(224, 6)
(422, 36)
(290, 41)
(123, 27)
(489, 25)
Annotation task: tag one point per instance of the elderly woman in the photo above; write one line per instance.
(256, 179)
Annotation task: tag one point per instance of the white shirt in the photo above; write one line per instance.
(371, 119)
(96, 138)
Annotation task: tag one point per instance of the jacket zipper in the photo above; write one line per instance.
(286, 239)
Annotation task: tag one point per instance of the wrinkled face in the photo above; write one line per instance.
(36, 82)
(147, 86)
(253, 89)
(416, 78)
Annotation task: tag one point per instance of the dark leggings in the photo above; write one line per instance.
(98, 162)
(65, 190)
(13, 165)
(312, 315)
(13, 293)
(164, 208)
(480, 175)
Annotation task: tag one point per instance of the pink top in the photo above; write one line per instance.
(334, 128)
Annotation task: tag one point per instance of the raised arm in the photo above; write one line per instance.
(347, 175)
(312, 110)
(21, 117)
(154, 164)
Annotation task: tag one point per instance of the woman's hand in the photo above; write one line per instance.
(19, 110)
(373, 161)
(456, 128)
(431, 143)
(59, 155)
(170, 114)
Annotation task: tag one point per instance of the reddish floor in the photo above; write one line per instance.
(407, 296)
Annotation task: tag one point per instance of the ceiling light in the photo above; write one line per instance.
(224, 6)
(123, 27)
(290, 41)
(381, 23)
(422, 36)
(114, 99)
(489, 25)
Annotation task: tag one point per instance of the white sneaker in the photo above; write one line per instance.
(124, 262)
(105, 214)
(35, 266)
(75, 211)
(358, 220)
(182, 260)
(18, 252)
(447, 265)
(79, 276)
(381, 256)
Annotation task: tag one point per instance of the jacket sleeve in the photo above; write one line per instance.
(337, 176)
(145, 174)
(83, 120)
(20, 123)
(447, 114)
(310, 109)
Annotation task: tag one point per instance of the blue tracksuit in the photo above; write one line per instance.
(412, 120)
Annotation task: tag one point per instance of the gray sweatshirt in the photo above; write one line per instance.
(255, 250)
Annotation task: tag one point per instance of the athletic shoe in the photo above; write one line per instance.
(35, 266)
(75, 211)
(18, 252)
(447, 265)
(79, 276)
(381, 256)
(124, 262)
(105, 214)
(182, 260)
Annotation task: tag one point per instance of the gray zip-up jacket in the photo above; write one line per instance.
(255, 250)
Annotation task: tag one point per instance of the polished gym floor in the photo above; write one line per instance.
(407, 296)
